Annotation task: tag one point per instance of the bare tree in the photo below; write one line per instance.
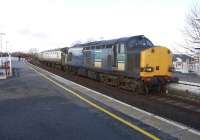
(192, 29)
(33, 51)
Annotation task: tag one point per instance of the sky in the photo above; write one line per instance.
(48, 24)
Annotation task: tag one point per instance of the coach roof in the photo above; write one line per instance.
(52, 50)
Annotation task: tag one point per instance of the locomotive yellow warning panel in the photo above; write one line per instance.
(156, 61)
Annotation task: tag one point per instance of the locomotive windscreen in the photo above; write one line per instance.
(140, 42)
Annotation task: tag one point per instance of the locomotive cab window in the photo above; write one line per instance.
(149, 43)
(144, 43)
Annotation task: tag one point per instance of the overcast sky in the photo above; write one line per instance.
(47, 24)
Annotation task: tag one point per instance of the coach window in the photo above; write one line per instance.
(121, 48)
(98, 47)
(70, 57)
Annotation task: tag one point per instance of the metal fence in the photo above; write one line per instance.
(5, 67)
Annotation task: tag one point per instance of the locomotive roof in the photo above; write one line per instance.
(112, 41)
(85, 44)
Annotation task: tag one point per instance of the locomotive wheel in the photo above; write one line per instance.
(140, 87)
(163, 90)
(134, 87)
(143, 88)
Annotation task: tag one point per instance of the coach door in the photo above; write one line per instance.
(114, 61)
(120, 57)
(62, 58)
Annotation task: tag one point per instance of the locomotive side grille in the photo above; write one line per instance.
(130, 62)
(133, 62)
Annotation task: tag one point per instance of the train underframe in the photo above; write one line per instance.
(136, 85)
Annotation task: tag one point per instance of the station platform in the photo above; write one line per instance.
(36, 104)
(185, 90)
(187, 77)
(188, 87)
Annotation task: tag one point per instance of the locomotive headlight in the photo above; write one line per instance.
(171, 69)
(149, 69)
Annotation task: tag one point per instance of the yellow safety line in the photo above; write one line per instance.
(144, 132)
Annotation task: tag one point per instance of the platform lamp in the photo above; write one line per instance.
(6, 49)
(1, 37)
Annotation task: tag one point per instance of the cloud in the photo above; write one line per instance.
(46, 24)
(2, 26)
(40, 35)
(24, 32)
(30, 33)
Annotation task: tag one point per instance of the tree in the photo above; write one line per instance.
(192, 29)
(33, 51)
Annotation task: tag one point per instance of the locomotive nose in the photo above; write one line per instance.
(156, 62)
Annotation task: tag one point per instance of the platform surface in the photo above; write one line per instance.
(32, 107)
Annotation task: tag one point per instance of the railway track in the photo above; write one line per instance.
(186, 90)
(173, 108)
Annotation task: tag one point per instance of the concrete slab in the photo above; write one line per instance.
(187, 135)
(162, 125)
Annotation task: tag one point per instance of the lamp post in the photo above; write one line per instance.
(6, 49)
(1, 34)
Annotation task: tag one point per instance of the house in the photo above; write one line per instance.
(183, 63)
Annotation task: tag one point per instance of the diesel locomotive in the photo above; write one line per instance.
(132, 63)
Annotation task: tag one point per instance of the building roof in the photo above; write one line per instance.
(183, 57)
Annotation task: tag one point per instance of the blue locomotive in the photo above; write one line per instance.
(132, 63)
